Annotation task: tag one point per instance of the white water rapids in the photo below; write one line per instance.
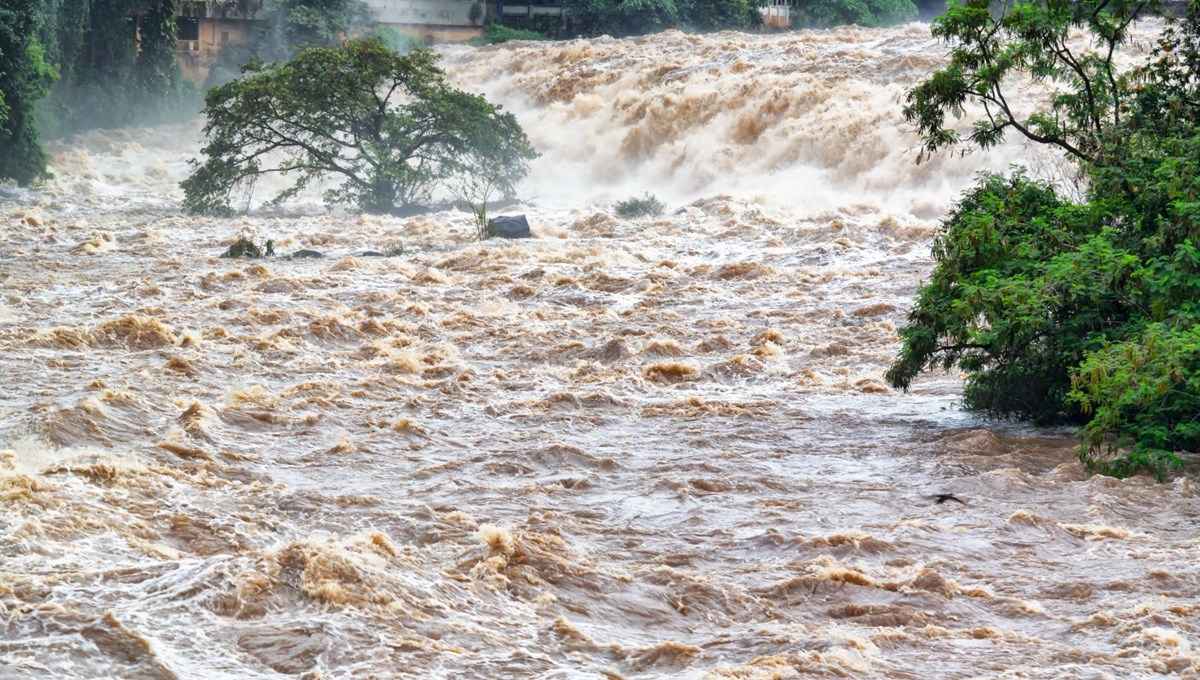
(655, 448)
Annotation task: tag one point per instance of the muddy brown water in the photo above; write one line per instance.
(655, 448)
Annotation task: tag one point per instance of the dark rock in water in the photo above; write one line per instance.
(307, 253)
(508, 226)
(371, 253)
(411, 210)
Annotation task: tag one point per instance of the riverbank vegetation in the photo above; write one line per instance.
(387, 124)
(73, 65)
(1084, 311)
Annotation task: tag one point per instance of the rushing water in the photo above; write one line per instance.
(625, 449)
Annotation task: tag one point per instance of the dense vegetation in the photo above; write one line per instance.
(638, 17)
(388, 124)
(1084, 311)
(68, 65)
(286, 26)
(24, 79)
(105, 80)
(868, 13)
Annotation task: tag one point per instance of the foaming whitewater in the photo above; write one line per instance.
(656, 448)
(807, 119)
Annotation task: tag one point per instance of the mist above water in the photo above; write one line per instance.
(624, 449)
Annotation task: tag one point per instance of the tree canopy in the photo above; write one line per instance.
(25, 78)
(387, 125)
(868, 13)
(117, 62)
(1084, 311)
(638, 17)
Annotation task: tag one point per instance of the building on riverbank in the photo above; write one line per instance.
(208, 28)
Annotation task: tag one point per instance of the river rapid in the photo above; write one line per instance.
(655, 448)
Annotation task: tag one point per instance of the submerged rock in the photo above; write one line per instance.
(508, 226)
(307, 253)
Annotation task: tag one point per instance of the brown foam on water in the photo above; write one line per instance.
(651, 448)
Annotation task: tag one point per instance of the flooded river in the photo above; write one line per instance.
(655, 448)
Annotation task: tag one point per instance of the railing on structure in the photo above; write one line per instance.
(531, 10)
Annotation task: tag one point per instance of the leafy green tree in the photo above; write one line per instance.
(157, 68)
(716, 15)
(106, 78)
(868, 13)
(620, 19)
(638, 17)
(289, 26)
(387, 124)
(25, 78)
(1085, 312)
(1033, 41)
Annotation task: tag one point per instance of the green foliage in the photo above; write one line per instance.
(25, 77)
(156, 71)
(644, 206)
(397, 41)
(868, 13)
(638, 17)
(497, 33)
(620, 19)
(245, 247)
(717, 15)
(1032, 40)
(1144, 398)
(104, 81)
(475, 14)
(289, 26)
(387, 124)
(475, 189)
(1085, 312)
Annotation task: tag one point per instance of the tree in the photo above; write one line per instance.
(1086, 312)
(24, 79)
(157, 67)
(630, 17)
(288, 26)
(1031, 40)
(107, 79)
(387, 124)
(868, 13)
(638, 17)
(716, 15)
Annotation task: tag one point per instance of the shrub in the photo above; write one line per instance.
(495, 34)
(1087, 312)
(245, 246)
(634, 207)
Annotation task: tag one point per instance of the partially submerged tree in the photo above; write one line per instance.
(387, 125)
(1087, 312)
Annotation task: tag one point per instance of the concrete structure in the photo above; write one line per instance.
(780, 13)
(208, 28)
(525, 12)
(431, 20)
